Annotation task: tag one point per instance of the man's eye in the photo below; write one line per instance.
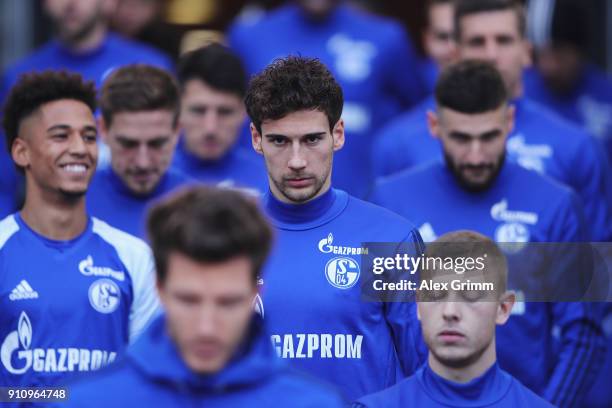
(158, 144)
(279, 141)
(59, 136)
(433, 295)
(313, 139)
(90, 137)
(127, 145)
(225, 111)
(200, 110)
(473, 295)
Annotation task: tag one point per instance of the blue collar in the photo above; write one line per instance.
(254, 361)
(307, 215)
(485, 390)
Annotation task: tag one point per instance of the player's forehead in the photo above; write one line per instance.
(297, 124)
(65, 112)
(490, 23)
(441, 15)
(143, 125)
(472, 123)
(196, 91)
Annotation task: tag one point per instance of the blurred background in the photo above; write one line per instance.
(172, 25)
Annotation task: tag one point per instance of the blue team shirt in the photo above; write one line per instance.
(540, 141)
(109, 199)
(426, 389)
(94, 65)
(521, 206)
(312, 296)
(589, 104)
(69, 306)
(372, 58)
(236, 169)
(152, 374)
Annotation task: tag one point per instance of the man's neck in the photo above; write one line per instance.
(467, 373)
(57, 219)
(90, 42)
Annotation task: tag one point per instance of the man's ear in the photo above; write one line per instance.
(418, 310)
(338, 135)
(256, 139)
(506, 302)
(20, 153)
(433, 123)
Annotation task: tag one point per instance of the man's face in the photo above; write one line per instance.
(318, 8)
(474, 145)
(76, 19)
(211, 119)
(208, 308)
(439, 41)
(560, 67)
(57, 147)
(495, 37)
(459, 326)
(141, 145)
(298, 150)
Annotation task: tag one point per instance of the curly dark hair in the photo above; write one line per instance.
(37, 88)
(139, 87)
(292, 84)
(471, 87)
(208, 224)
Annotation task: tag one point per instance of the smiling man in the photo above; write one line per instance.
(312, 287)
(459, 329)
(74, 290)
(140, 108)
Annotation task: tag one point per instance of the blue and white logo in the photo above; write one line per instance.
(342, 272)
(104, 295)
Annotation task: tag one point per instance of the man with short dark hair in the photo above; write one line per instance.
(140, 110)
(213, 83)
(475, 187)
(459, 329)
(312, 296)
(209, 348)
(75, 290)
(371, 57)
(494, 30)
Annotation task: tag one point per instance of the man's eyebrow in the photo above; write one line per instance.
(58, 127)
(62, 126)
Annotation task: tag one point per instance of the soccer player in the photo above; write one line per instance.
(83, 44)
(563, 79)
(140, 108)
(476, 188)
(213, 83)
(312, 297)
(438, 40)
(494, 30)
(74, 291)
(210, 348)
(459, 329)
(371, 57)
